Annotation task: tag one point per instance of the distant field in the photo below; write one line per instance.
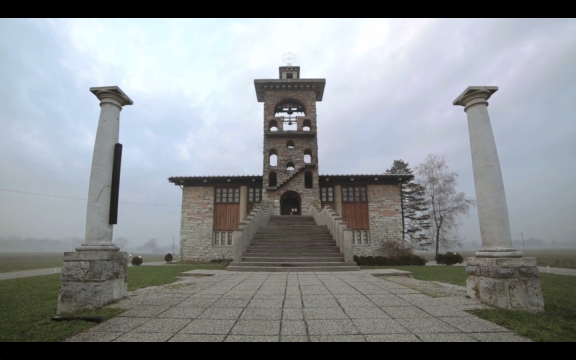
(13, 261)
(560, 258)
(10, 262)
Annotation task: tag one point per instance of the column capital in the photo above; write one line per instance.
(475, 95)
(111, 94)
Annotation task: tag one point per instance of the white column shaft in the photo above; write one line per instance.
(98, 230)
(491, 197)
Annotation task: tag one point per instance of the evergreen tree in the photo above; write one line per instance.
(415, 220)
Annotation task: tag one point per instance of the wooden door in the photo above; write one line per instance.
(226, 208)
(355, 207)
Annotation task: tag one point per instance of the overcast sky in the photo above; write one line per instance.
(389, 91)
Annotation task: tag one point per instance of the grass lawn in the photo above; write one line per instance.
(10, 262)
(560, 258)
(557, 324)
(28, 304)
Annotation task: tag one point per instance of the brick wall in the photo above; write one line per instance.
(196, 227)
(385, 218)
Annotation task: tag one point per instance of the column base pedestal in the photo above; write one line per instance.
(92, 279)
(505, 283)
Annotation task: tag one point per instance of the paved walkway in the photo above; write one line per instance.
(295, 307)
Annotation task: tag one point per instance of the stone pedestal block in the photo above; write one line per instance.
(505, 283)
(92, 279)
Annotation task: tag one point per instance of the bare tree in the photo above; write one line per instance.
(121, 242)
(445, 205)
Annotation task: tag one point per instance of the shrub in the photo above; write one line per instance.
(168, 258)
(381, 261)
(221, 261)
(137, 260)
(449, 259)
(404, 260)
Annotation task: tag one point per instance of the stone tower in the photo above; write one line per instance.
(290, 169)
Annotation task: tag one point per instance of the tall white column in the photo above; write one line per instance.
(98, 230)
(499, 275)
(490, 194)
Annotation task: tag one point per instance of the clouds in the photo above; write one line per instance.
(389, 89)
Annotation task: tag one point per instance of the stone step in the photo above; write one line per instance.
(293, 233)
(294, 246)
(292, 254)
(293, 228)
(298, 222)
(292, 269)
(295, 223)
(302, 217)
(293, 263)
(293, 243)
(251, 259)
(295, 240)
(289, 232)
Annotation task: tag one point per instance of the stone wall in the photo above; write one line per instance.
(308, 196)
(197, 224)
(295, 155)
(385, 218)
(506, 283)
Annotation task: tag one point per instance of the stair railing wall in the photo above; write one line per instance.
(338, 229)
(247, 229)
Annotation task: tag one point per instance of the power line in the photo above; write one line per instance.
(73, 198)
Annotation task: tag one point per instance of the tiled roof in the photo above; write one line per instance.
(257, 176)
(385, 175)
(213, 176)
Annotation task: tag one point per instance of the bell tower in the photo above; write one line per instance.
(290, 168)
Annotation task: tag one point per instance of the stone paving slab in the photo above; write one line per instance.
(302, 307)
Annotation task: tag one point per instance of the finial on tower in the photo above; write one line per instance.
(289, 58)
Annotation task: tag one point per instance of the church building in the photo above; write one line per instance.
(214, 206)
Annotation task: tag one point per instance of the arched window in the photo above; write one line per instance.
(308, 182)
(272, 179)
(290, 166)
(290, 144)
(307, 156)
(273, 158)
(306, 125)
(289, 107)
(273, 125)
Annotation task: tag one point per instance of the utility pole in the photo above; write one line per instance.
(524, 245)
(73, 247)
(172, 245)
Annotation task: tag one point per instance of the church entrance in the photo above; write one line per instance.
(290, 203)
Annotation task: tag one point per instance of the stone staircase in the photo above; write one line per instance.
(293, 243)
(293, 175)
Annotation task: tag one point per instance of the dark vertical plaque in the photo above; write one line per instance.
(115, 184)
